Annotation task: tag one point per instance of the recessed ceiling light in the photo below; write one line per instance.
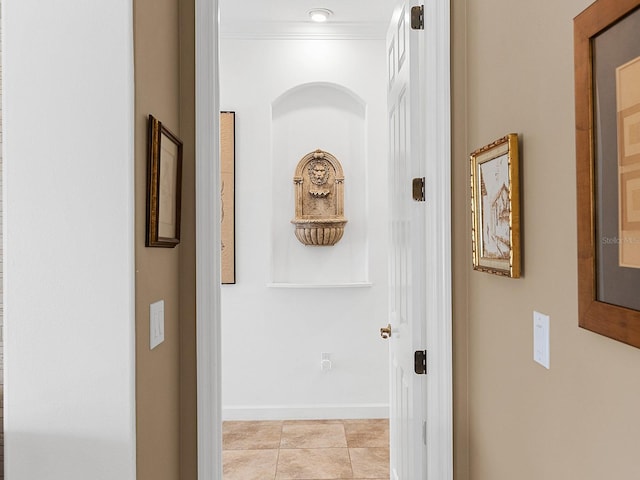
(320, 14)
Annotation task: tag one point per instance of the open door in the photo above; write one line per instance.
(407, 258)
(419, 329)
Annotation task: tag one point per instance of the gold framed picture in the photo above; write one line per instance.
(164, 186)
(495, 207)
(607, 90)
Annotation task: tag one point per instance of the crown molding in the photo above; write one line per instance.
(303, 31)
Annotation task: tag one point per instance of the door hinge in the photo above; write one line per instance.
(418, 189)
(417, 17)
(420, 362)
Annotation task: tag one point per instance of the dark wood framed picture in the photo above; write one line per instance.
(495, 207)
(607, 89)
(164, 186)
(227, 197)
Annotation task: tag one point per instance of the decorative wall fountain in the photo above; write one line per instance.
(319, 197)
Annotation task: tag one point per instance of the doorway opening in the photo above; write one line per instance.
(438, 431)
(305, 353)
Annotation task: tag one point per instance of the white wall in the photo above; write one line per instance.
(273, 336)
(68, 111)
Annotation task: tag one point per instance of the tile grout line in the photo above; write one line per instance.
(275, 476)
(346, 441)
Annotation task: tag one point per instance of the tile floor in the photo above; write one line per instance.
(306, 450)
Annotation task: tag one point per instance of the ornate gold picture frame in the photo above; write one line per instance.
(164, 186)
(607, 89)
(495, 207)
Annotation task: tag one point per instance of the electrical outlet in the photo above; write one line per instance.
(325, 361)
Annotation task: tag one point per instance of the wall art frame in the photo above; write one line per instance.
(495, 207)
(227, 198)
(164, 186)
(607, 106)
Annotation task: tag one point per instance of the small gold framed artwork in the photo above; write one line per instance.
(164, 186)
(495, 207)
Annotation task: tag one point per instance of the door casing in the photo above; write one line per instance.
(439, 403)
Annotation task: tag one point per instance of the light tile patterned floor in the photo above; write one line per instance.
(306, 450)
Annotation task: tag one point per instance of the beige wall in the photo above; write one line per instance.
(461, 254)
(165, 376)
(188, 390)
(513, 72)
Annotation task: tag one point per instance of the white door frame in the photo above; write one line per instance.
(208, 343)
(438, 184)
(437, 109)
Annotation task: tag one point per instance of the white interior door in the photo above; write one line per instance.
(407, 253)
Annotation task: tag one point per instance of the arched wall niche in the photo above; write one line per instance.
(331, 117)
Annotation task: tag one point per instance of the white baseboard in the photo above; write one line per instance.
(306, 412)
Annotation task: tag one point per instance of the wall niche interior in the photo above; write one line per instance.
(330, 117)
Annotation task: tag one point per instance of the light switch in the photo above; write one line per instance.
(156, 324)
(541, 339)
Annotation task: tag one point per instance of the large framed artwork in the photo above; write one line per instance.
(164, 186)
(227, 194)
(495, 207)
(607, 89)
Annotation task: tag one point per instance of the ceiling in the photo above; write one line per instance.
(286, 17)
